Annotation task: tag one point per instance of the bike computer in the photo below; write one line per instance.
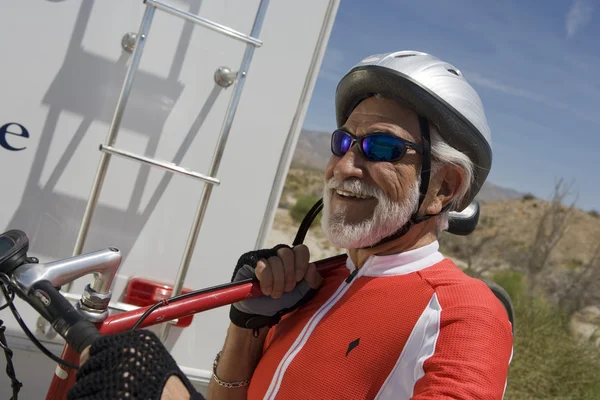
(13, 250)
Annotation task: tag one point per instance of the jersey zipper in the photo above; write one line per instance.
(310, 326)
(352, 275)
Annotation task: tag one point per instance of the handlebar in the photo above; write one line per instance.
(77, 331)
(39, 285)
(103, 264)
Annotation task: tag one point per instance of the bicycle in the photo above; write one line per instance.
(39, 285)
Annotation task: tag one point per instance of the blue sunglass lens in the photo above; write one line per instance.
(340, 143)
(382, 148)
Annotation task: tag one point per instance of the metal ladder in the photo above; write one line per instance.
(223, 76)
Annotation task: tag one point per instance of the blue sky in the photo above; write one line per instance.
(535, 64)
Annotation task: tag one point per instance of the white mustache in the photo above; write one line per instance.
(355, 186)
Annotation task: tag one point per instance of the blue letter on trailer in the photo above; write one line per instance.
(4, 131)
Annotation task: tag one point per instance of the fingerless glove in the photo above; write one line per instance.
(127, 366)
(259, 312)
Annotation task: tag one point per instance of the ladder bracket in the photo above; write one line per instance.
(225, 77)
(128, 41)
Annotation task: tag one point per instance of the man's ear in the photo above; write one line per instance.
(443, 187)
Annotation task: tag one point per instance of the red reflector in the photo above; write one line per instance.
(144, 292)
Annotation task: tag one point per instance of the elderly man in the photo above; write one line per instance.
(399, 321)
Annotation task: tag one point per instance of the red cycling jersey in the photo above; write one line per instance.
(405, 326)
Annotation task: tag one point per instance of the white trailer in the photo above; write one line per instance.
(124, 123)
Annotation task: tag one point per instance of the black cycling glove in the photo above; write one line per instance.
(259, 312)
(128, 365)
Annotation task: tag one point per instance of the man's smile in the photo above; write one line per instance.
(346, 195)
(358, 207)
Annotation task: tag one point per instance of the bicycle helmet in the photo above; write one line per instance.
(438, 93)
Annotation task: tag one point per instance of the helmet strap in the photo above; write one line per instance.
(424, 186)
(426, 161)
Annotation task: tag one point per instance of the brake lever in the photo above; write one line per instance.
(77, 331)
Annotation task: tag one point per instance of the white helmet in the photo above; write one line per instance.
(436, 90)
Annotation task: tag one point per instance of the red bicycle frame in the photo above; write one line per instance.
(64, 378)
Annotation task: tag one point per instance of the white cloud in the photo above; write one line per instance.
(490, 83)
(477, 79)
(578, 16)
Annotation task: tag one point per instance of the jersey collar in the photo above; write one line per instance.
(401, 263)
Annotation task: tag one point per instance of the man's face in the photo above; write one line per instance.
(364, 201)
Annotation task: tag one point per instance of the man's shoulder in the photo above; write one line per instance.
(454, 288)
(446, 273)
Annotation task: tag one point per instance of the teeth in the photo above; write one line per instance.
(350, 194)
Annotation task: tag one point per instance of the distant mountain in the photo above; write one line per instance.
(493, 193)
(313, 152)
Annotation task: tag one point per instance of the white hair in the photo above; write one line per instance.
(443, 154)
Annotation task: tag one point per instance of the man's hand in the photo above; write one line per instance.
(287, 279)
(280, 273)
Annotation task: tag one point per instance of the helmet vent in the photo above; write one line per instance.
(453, 71)
(405, 55)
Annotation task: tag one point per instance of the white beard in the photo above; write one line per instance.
(387, 217)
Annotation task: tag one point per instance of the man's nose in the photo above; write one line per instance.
(351, 165)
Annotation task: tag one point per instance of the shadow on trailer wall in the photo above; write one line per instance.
(87, 85)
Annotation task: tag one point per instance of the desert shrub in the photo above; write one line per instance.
(574, 263)
(528, 197)
(512, 281)
(487, 222)
(302, 206)
(548, 362)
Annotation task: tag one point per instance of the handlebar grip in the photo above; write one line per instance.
(81, 335)
(65, 319)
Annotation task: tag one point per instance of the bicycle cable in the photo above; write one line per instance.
(10, 368)
(180, 297)
(7, 288)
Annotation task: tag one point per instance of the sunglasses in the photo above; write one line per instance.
(376, 146)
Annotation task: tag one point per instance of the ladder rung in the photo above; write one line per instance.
(161, 164)
(204, 22)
